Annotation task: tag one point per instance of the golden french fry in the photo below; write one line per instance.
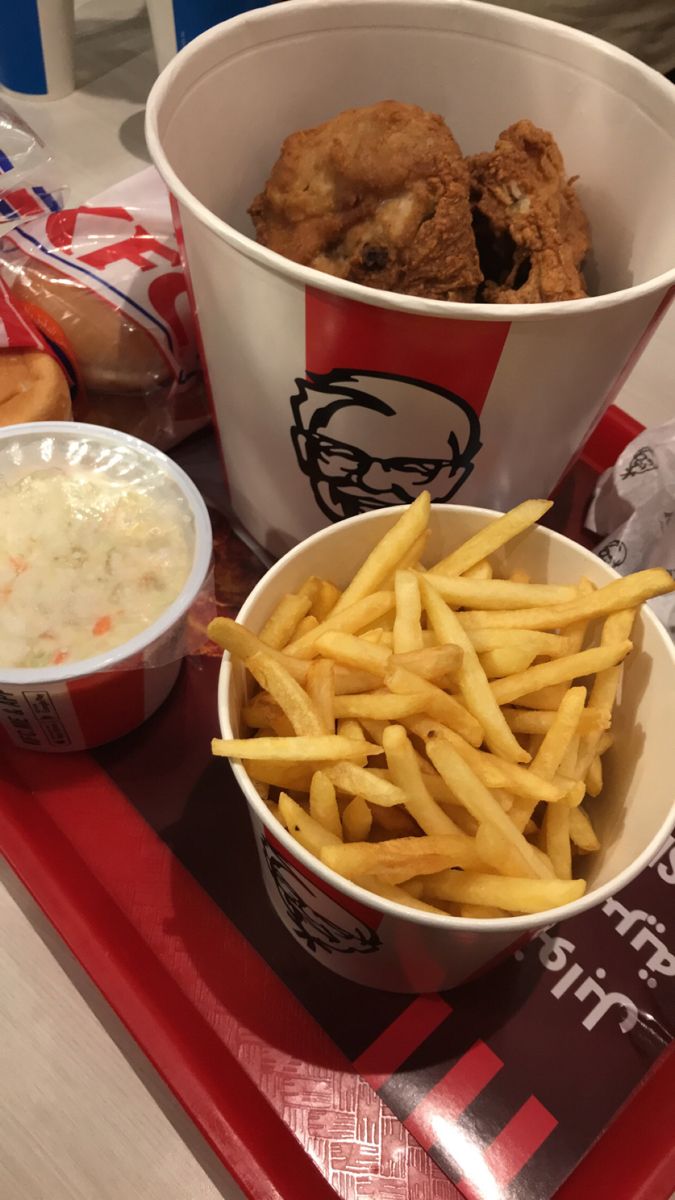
(531, 721)
(545, 700)
(395, 822)
(411, 559)
(306, 625)
(582, 833)
(283, 622)
(405, 772)
(469, 791)
(380, 705)
(506, 660)
(549, 756)
(356, 820)
(407, 621)
(473, 685)
(481, 912)
(519, 576)
(401, 858)
(431, 662)
(348, 681)
(241, 643)
(348, 727)
(355, 652)
(321, 691)
(571, 757)
(559, 670)
(325, 599)
(292, 749)
(323, 804)
(264, 713)
(482, 570)
(414, 887)
(361, 781)
(292, 777)
(514, 895)
(387, 554)
(491, 538)
(347, 620)
(551, 645)
(288, 693)
(556, 835)
(443, 707)
(594, 777)
(616, 627)
(310, 589)
(629, 592)
(500, 595)
(308, 832)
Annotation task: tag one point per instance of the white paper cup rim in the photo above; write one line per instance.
(203, 547)
(518, 924)
(308, 276)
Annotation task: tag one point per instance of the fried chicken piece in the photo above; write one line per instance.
(531, 230)
(378, 195)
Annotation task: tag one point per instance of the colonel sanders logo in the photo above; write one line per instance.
(315, 928)
(643, 460)
(368, 440)
(614, 553)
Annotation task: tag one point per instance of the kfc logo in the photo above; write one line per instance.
(367, 440)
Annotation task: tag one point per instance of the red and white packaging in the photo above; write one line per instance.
(104, 285)
(375, 942)
(80, 704)
(331, 398)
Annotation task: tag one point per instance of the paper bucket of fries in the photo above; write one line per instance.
(394, 849)
(332, 398)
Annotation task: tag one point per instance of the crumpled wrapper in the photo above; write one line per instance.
(633, 510)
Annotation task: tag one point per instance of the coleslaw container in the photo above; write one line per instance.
(335, 398)
(381, 944)
(81, 704)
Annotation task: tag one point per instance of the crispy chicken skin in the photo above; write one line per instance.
(531, 231)
(378, 195)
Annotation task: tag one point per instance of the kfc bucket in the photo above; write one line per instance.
(332, 398)
(382, 944)
(105, 544)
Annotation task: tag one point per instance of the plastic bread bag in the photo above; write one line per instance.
(633, 510)
(33, 386)
(104, 285)
(30, 181)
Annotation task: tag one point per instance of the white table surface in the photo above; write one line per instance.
(83, 1114)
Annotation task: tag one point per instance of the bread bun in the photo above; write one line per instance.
(32, 388)
(112, 354)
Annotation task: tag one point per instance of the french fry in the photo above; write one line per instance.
(500, 594)
(325, 600)
(357, 820)
(348, 727)
(481, 912)
(491, 538)
(506, 660)
(381, 705)
(474, 687)
(407, 622)
(545, 700)
(405, 772)
(551, 645)
(394, 822)
(306, 625)
(582, 833)
(414, 887)
(308, 832)
(347, 620)
(594, 777)
(282, 623)
(431, 662)
(387, 554)
(346, 681)
(629, 592)
(616, 627)
(360, 781)
(501, 855)
(547, 760)
(411, 559)
(355, 652)
(241, 643)
(401, 858)
(443, 707)
(389, 891)
(519, 576)
(325, 748)
(323, 804)
(556, 836)
(482, 570)
(520, 721)
(321, 692)
(469, 791)
(559, 670)
(264, 713)
(513, 895)
(292, 777)
(288, 693)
